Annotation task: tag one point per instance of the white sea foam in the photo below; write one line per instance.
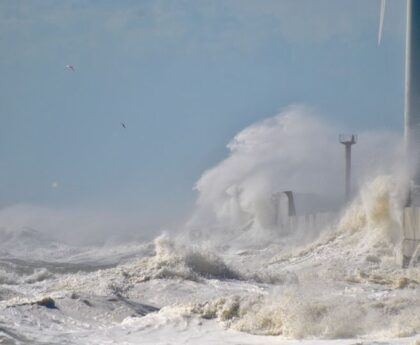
(232, 274)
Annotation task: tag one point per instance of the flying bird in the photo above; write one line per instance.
(70, 67)
(123, 124)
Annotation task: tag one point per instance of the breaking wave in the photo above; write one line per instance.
(233, 262)
(172, 260)
(291, 151)
(347, 284)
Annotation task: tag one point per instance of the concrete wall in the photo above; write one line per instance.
(411, 235)
(410, 247)
(312, 223)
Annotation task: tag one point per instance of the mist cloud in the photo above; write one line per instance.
(294, 150)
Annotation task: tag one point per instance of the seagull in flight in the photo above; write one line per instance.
(123, 124)
(70, 67)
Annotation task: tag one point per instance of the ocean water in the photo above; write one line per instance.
(230, 274)
(345, 287)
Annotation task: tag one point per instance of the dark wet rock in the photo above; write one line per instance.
(85, 301)
(47, 302)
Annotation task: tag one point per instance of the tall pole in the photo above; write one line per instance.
(348, 141)
(348, 170)
(412, 101)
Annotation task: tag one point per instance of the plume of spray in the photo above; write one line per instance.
(293, 150)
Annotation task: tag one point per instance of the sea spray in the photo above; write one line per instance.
(376, 215)
(295, 151)
(232, 266)
(172, 257)
(326, 300)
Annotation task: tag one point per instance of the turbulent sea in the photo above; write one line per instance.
(232, 274)
(343, 287)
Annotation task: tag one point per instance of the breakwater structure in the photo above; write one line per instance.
(409, 253)
(411, 213)
(288, 220)
(410, 246)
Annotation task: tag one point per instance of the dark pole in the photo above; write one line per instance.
(348, 170)
(348, 141)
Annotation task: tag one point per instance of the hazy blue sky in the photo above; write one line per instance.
(184, 76)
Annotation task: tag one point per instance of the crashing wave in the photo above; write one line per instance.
(172, 260)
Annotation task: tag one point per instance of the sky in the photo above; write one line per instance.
(184, 77)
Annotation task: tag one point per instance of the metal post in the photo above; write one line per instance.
(348, 170)
(348, 141)
(412, 100)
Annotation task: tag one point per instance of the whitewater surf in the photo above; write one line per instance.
(229, 275)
